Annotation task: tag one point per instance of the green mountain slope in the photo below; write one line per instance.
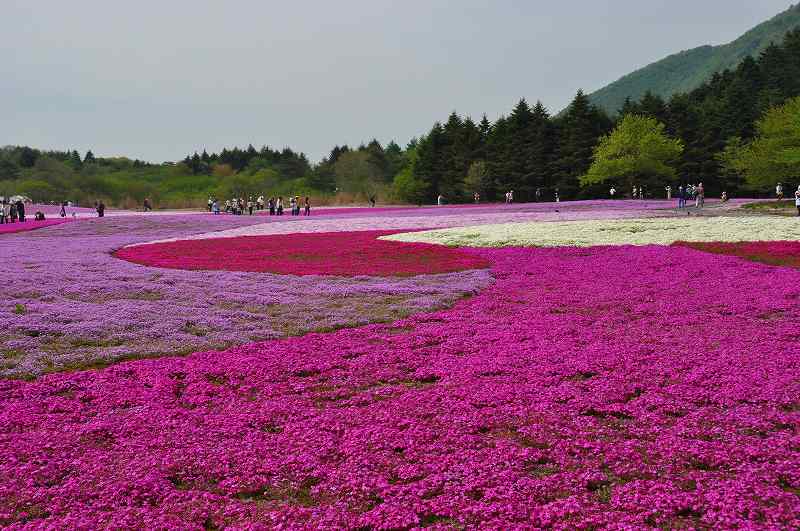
(685, 71)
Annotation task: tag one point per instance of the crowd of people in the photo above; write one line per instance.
(12, 211)
(238, 206)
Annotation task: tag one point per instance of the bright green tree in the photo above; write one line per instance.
(774, 155)
(638, 152)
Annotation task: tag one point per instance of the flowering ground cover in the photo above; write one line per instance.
(31, 224)
(328, 253)
(68, 303)
(779, 253)
(589, 233)
(660, 391)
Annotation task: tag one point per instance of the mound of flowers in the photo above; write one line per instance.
(589, 233)
(10, 228)
(624, 387)
(779, 253)
(331, 253)
(73, 305)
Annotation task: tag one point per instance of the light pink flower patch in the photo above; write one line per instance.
(328, 253)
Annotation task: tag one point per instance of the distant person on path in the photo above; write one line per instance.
(12, 212)
(21, 210)
(372, 200)
(797, 200)
(724, 197)
(250, 205)
(669, 192)
(476, 197)
(101, 209)
(701, 196)
(63, 212)
(279, 206)
(210, 204)
(779, 192)
(39, 216)
(215, 207)
(147, 206)
(307, 204)
(612, 192)
(292, 204)
(681, 196)
(440, 200)
(538, 195)
(635, 193)
(5, 212)
(271, 204)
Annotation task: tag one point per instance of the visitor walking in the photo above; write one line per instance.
(147, 206)
(20, 210)
(669, 192)
(279, 206)
(271, 204)
(63, 212)
(779, 192)
(440, 200)
(101, 209)
(307, 206)
(5, 212)
(700, 199)
(210, 204)
(681, 196)
(476, 197)
(250, 205)
(372, 200)
(538, 194)
(215, 207)
(612, 192)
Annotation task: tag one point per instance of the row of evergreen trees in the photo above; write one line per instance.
(529, 149)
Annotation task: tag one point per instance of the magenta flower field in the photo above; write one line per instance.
(627, 387)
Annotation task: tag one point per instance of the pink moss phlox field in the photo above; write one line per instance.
(346, 254)
(622, 387)
(778, 253)
(30, 224)
(68, 303)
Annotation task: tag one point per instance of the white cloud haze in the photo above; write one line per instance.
(157, 80)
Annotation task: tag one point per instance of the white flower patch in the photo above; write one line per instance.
(661, 231)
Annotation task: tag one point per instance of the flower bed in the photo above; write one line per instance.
(612, 232)
(30, 224)
(773, 253)
(346, 254)
(70, 304)
(646, 387)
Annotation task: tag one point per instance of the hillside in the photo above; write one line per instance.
(687, 70)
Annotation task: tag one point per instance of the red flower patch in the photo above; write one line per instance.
(785, 253)
(9, 228)
(327, 253)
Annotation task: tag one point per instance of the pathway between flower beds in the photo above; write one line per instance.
(620, 386)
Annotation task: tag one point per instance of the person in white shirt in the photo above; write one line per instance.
(779, 192)
(797, 200)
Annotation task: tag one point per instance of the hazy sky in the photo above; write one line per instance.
(158, 79)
